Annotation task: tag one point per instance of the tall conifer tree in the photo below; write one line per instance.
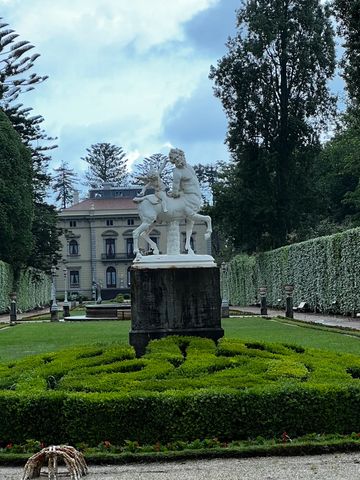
(273, 84)
(107, 164)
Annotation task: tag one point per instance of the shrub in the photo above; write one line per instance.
(183, 389)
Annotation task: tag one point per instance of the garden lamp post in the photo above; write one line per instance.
(54, 307)
(66, 306)
(13, 316)
(225, 291)
(263, 304)
(289, 290)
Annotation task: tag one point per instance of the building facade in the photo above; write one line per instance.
(97, 242)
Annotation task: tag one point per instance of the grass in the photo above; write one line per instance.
(29, 339)
(287, 331)
(32, 338)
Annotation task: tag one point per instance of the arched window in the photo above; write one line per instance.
(73, 247)
(128, 276)
(110, 277)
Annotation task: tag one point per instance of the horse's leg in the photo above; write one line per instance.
(152, 244)
(189, 229)
(207, 220)
(136, 233)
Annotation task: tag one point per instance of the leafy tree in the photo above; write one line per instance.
(153, 162)
(107, 164)
(63, 184)
(273, 86)
(16, 197)
(338, 174)
(47, 245)
(348, 16)
(207, 176)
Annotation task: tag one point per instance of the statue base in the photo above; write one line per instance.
(170, 297)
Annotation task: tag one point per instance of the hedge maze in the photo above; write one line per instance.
(182, 389)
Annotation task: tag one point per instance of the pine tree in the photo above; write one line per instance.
(153, 162)
(107, 164)
(63, 184)
(273, 87)
(15, 62)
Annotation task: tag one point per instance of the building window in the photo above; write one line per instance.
(130, 247)
(74, 279)
(109, 222)
(110, 277)
(110, 247)
(73, 247)
(128, 274)
(130, 221)
(72, 223)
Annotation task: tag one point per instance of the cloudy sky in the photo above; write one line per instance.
(133, 73)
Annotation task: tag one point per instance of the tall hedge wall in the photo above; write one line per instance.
(33, 288)
(325, 272)
(6, 282)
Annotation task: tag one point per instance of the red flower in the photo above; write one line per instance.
(9, 445)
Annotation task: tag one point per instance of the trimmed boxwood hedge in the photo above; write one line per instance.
(324, 272)
(182, 389)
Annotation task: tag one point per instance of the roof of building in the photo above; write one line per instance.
(97, 204)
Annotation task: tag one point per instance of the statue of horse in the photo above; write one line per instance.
(150, 210)
(184, 202)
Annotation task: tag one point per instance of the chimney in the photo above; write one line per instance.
(75, 197)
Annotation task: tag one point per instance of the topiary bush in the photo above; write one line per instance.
(182, 389)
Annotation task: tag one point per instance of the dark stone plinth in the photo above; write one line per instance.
(174, 301)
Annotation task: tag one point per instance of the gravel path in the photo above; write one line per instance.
(322, 467)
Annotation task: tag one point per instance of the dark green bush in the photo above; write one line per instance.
(183, 389)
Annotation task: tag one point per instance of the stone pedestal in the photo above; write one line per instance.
(174, 296)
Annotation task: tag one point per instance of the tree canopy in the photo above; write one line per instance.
(273, 84)
(107, 164)
(63, 184)
(16, 197)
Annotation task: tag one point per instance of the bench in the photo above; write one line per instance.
(302, 307)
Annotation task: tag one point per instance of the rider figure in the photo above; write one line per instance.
(153, 180)
(185, 182)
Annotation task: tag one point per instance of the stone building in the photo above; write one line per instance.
(97, 243)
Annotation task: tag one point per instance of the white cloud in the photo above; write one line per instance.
(142, 22)
(115, 68)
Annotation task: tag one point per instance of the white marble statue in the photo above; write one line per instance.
(182, 202)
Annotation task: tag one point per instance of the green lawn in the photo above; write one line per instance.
(28, 339)
(32, 338)
(284, 331)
